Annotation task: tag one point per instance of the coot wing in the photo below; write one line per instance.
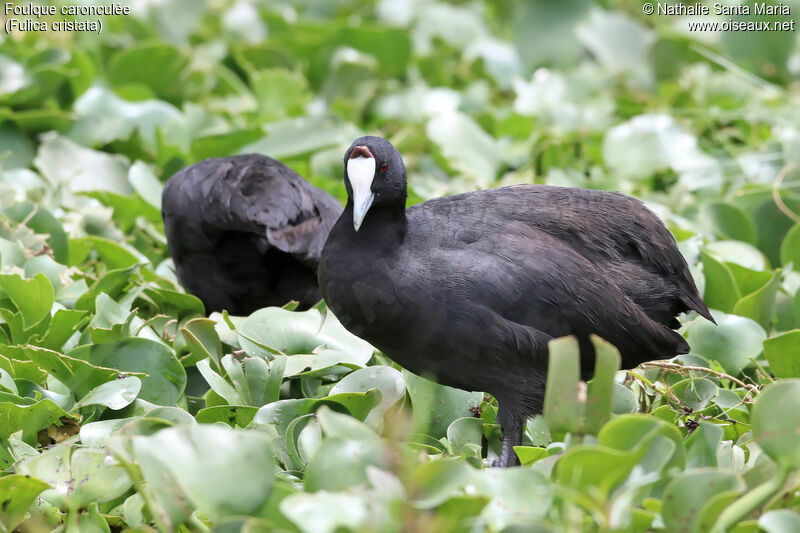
(533, 279)
(606, 228)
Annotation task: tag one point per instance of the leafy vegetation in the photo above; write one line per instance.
(122, 406)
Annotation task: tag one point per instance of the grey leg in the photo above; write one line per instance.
(512, 436)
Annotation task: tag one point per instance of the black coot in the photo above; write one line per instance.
(246, 232)
(471, 287)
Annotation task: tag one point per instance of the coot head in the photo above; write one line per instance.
(374, 175)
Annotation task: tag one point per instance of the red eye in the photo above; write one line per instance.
(384, 167)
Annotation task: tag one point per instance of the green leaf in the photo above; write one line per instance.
(17, 494)
(384, 378)
(774, 421)
(436, 406)
(169, 462)
(688, 495)
(729, 221)
(783, 354)
(27, 415)
(160, 66)
(326, 512)
(600, 390)
(779, 521)
(732, 342)
(702, 446)
(233, 415)
(694, 393)
(202, 340)
(596, 470)
(562, 408)
(313, 341)
(79, 476)
(626, 432)
(113, 394)
(790, 247)
(42, 221)
(32, 297)
(166, 377)
(721, 291)
(80, 376)
(759, 305)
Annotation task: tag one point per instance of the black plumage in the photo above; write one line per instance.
(471, 287)
(246, 232)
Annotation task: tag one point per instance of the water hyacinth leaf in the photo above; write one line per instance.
(732, 342)
(464, 432)
(437, 406)
(28, 415)
(112, 283)
(738, 253)
(32, 297)
(589, 468)
(317, 342)
(600, 390)
(79, 375)
(562, 408)
(64, 162)
(157, 65)
(466, 147)
(113, 394)
(775, 419)
(97, 434)
(687, 496)
(325, 512)
(702, 446)
(203, 340)
(516, 495)
(630, 431)
(435, 482)
(779, 521)
(276, 417)
(694, 393)
(174, 453)
(335, 424)
(219, 384)
(17, 494)
(729, 221)
(166, 377)
(340, 464)
(624, 400)
(790, 247)
(234, 415)
(389, 381)
(783, 354)
(759, 304)
(41, 221)
(721, 291)
(530, 454)
(79, 476)
(115, 255)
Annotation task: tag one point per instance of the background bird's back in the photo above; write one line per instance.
(246, 232)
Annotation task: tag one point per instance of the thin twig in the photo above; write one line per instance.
(723, 375)
(776, 193)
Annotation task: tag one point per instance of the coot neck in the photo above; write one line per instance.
(384, 225)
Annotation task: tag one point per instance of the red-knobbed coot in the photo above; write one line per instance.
(471, 287)
(246, 232)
